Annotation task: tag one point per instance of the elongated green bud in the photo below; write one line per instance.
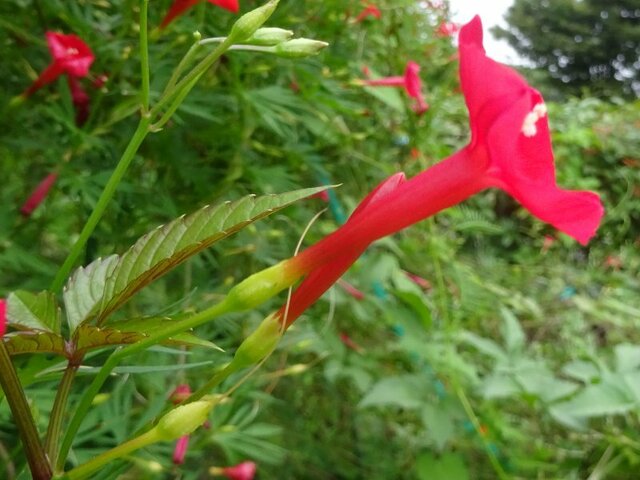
(270, 36)
(183, 420)
(247, 24)
(299, 48)
(261, 286)
(259, 344)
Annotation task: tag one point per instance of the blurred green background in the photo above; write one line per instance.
(519, 357)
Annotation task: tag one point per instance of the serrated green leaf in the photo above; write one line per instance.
(95, 291)
(34, 341)
(89, 337)
(34, 311)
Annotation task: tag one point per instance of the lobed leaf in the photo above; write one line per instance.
(95, 291)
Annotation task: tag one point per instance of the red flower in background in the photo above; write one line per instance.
(369, 11)
(80, 100)
(351, 290)
(3, 316)
(410, 81)
(510, 149)
(38, 195)
(178, 7)
(447, 29)
(70, 55)
(242, 471)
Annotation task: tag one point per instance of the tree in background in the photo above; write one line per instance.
(592, 44)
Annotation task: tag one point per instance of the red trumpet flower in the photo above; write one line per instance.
(369, 11)
(70, 55)
(180, 6)
(410, 81)
(38, 195)
(510, 149)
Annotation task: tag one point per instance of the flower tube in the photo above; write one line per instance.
(411, 83)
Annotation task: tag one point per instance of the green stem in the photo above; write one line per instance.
(115, 358)
(187, 81)
(184, 63)
(144, 55)
(58, 411)
(177, 101)
(216, 380)
(38, 463)
(108, 192)
(495, 463)
(120, 451)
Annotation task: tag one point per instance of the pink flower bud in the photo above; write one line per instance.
(242, 471)
(38, 195)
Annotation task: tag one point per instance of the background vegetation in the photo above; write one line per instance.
(519, 357)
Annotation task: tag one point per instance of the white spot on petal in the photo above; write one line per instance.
(529, 124)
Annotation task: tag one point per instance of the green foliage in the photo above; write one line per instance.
(518, 353)
(589, 44)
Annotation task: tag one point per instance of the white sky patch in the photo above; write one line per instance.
(491, 12)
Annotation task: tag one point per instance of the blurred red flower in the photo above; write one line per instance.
(410, 81)
(70, 55)
(38, 195)
(178, 7)
(242, 471)
(370, 10)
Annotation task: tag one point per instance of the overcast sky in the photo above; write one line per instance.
(491, 12)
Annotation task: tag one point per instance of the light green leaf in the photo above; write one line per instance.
(596, 401)
(95, 291)
(586, 372)
(439, 425)
(484, 345)
(407, 391)
(449, 466)
(627, 357)
(514, 337)
(36, 311)
(499, 386)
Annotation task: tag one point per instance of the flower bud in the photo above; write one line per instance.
(183, 420)
(270, 36)
(261, 286)
(299, 48)
(259, 344)
(247, 24)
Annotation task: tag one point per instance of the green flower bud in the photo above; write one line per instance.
(183, 420)
(261, 286)
(299, 48)
(259, 344)
(270, 36)
(247, 24)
